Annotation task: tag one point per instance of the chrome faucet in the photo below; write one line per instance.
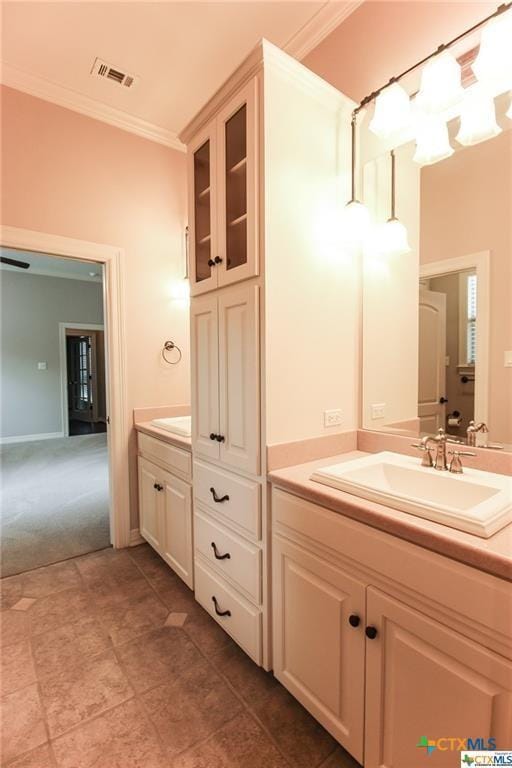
(430, 443)
(456, 464)
(472, 431)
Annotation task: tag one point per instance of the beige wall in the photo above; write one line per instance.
(466, 204)
(67, 174)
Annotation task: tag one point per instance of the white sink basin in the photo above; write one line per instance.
(179, 425)
(476, 502)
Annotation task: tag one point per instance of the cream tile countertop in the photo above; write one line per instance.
(493, 555)
(164, 435)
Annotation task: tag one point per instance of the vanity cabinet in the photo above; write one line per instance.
(222, 180)
(225, 375)
(165, 504)
(384, 642)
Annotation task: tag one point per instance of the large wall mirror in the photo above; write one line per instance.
(437, 321)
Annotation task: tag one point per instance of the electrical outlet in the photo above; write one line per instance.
(508, 359)
(43, 366)
(378, 410)
(332, 418)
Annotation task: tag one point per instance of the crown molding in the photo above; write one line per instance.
(330, 15)
(77, 102)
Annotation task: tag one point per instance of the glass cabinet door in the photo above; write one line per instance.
(236, 189)
(202, 206)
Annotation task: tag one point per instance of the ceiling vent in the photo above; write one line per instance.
(101, 69)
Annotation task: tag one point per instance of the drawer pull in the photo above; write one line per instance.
(227, 556)
(218, 499)
(217, 609)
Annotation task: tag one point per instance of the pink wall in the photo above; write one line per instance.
(382, 39)
(66, 174)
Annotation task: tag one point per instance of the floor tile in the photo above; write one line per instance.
(11, 590)
(133, 616)
(58, 609)
(23, 727)
(157, 657)
(14, 627)
(299, 736)
(205, 632)
(68, 646)
(40, 757)
(247, 678)
(53, 578)
(176, 619)
(174, 593)
(80, 693)
(17, 667)
(240, 744)
(340, 758)
(121, 738)
(191, 707)
(23, 604)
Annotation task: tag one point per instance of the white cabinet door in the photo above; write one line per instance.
(239, 378)
(204, 347)
(237, 131)
(149, 502)
(318, 653)
(203, 214)
(176, 526)
(425, 680)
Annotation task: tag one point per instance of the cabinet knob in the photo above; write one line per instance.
(354, 620)
(220, 438)
(211, 263)
(371, 632)
(158, 487)
(218, 260)
(213, 436)
(217, 609)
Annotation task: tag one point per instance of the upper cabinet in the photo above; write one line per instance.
(223, 195)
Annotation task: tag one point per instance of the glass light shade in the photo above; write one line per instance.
(432, 140)
(355, 222)
(392, 112)
(477, 117)
(392, 238)
(493, 65)
(441, 85)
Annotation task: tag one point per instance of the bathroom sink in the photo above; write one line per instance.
(179, 425)
(477, 502)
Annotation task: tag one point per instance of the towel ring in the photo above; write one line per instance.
(168, 347)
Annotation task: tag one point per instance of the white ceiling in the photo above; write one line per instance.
(181, 51)
(52, 266)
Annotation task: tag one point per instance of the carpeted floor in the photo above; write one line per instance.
(54, 501)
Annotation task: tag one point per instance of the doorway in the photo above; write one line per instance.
(83, 379)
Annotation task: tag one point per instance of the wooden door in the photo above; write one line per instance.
(204, 348)
(239, 378)
(432, 361)
(203, 193)
(149, 503)
(81, 371)
(176, 526)
(318, 653)
(425, 681)
(237, 131)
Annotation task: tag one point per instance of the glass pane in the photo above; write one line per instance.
(236, 189)
(202, 211)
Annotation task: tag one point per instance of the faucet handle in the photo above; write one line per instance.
(427, 460)
(456, 464)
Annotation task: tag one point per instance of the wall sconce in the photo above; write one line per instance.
(477, 117)
(392, 236)
(493, 65)
(432, 140)
(356, 216)
(392, 112)
(441, 86)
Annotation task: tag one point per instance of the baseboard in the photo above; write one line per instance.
(30, 438)
(136, 538)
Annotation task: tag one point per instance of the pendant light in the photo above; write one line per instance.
(441, 86)
(356, 216)
(392, 112)
(432, 140)
(392, 235)
(477, 117)
(493, 65)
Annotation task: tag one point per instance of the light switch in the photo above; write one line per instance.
(508, 359)
(42, 366)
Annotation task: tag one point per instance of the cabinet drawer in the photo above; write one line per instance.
(243, 566)
(176, 460)
(242, 507)
(244, 621)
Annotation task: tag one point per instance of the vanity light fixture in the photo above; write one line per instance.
(493, 64)
(477, 117)
(432, 140)
(392, 112)
(356, 216)
(441, 86)
(392, 236)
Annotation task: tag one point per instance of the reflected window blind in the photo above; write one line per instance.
(471, 320)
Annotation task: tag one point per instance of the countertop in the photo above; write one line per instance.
(163, 434)
(493, 555)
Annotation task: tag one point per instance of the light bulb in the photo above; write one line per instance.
(493, 64)
(355, 222)
(477, 117)
(392, 112)
(441, 86)
(432, 140)
(392, 238)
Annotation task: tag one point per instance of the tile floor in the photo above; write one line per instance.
(108, 662)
